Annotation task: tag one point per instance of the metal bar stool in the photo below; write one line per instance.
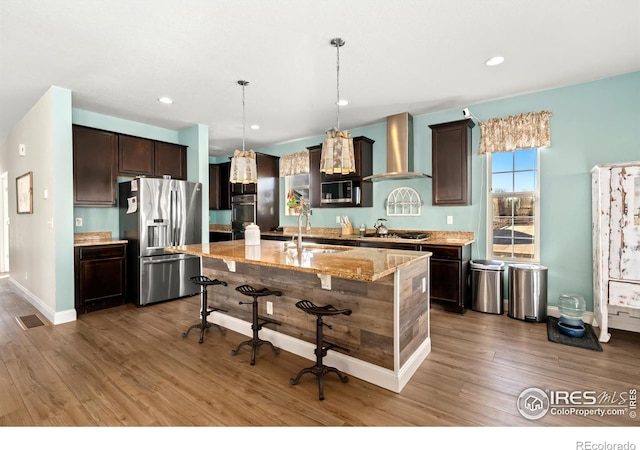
(258, 321)
(205, 310)
(322, 346)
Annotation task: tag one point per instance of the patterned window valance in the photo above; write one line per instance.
(530, 130)
(294, 163)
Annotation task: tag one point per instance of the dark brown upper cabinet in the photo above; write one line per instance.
(170, 159)
(451, 162)
(314, 175)
(140, 156)
(219, 187)
(135, 156)
(267, 191)
(94, 167)
(214, 186)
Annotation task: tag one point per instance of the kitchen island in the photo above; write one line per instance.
(388, 332)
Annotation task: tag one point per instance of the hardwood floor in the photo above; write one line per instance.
(129, 366)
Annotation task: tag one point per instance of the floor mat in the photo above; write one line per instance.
(30, 321)
(588, 341)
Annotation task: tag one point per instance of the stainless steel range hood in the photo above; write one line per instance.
(399, 150)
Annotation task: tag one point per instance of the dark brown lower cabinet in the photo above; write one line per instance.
(100, 277)
(393, 245)
(449, 275)
(219, 236)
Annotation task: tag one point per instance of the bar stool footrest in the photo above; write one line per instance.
(326, 346)
(266, 320)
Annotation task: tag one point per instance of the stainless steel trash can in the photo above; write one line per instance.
(527, 292)
(487, 291)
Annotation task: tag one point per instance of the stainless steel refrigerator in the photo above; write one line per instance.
(156, 213)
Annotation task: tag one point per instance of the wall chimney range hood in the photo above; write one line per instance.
(399, 150)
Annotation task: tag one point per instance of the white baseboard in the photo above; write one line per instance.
(55, 317)
(371, 373)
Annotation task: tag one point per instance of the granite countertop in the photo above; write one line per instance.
(220, 228)
(434, 237)
(358, 263)
(95, 238)
(453, 238)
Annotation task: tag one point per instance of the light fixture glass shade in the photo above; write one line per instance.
(243, 167)
(337, 155)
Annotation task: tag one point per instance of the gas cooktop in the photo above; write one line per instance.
(400, 235)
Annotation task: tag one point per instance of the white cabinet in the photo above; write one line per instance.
(616, 247)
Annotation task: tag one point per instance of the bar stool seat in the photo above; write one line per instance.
(257, 321)
(322, 346)
(205, 309)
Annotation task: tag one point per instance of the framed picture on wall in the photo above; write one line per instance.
(24, 190)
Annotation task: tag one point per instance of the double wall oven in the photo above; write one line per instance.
(243, 213)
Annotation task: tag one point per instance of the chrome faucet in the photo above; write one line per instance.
(305, 210)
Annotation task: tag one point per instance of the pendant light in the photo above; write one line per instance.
(337, 155)
(243, 164)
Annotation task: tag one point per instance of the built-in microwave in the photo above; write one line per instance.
(342, 191)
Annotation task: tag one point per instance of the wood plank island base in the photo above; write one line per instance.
(388, 332)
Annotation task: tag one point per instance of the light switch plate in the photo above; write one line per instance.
(22, 150)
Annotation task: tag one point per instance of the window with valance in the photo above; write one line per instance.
(511, 145)
(294, 163)
(294, 168)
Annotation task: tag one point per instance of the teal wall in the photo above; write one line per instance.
(196, 138)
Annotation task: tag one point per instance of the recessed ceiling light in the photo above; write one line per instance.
(342, 102)
(255, 126)
(165, 100)
(494, 61)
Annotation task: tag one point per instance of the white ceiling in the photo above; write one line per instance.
(416, 56)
